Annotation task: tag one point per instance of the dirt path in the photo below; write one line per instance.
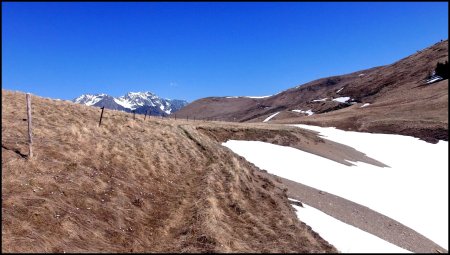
(359, 216)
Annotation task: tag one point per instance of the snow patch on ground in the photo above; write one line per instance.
(412, 190)
(434, 78)
(320, 100)
(250, 96)
(339, 90)
(341, 99)
(270, 117)
(257, 96)
(309, 112)
(346, 238)
(364, 105)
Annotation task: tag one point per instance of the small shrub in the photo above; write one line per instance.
(442, 69)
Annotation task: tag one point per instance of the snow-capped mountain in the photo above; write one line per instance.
(140, 102)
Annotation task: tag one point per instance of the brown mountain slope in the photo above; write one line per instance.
(400, 100)
(157, 185)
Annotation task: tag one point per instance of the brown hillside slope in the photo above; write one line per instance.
(425, 117)
(157, 185)
(401, 101)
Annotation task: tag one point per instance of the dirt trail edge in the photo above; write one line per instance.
(359, 216)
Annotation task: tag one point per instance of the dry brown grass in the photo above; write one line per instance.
(158, 185)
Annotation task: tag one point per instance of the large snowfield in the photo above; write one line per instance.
(413, 190)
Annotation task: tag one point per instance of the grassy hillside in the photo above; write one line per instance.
(421, 112)
(158, 185)
(401, 102)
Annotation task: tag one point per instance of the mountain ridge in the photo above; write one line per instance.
(140, 102)
(394, 98)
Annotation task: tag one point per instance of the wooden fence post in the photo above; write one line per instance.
(30, 137)
(101, 116)
(145, 114)
(134, 114)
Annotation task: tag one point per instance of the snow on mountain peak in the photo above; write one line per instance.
(140, 94)
(139, 101)
(89, 99)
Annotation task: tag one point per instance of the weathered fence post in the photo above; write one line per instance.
(101, 116)
(30, 137)
(175, 117)
(134, 114)
(145, 114)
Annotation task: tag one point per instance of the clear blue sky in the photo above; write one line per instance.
(194, 50)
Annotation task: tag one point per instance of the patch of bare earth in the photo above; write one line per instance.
(157, 185)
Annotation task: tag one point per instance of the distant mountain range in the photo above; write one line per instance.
(141, 102)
